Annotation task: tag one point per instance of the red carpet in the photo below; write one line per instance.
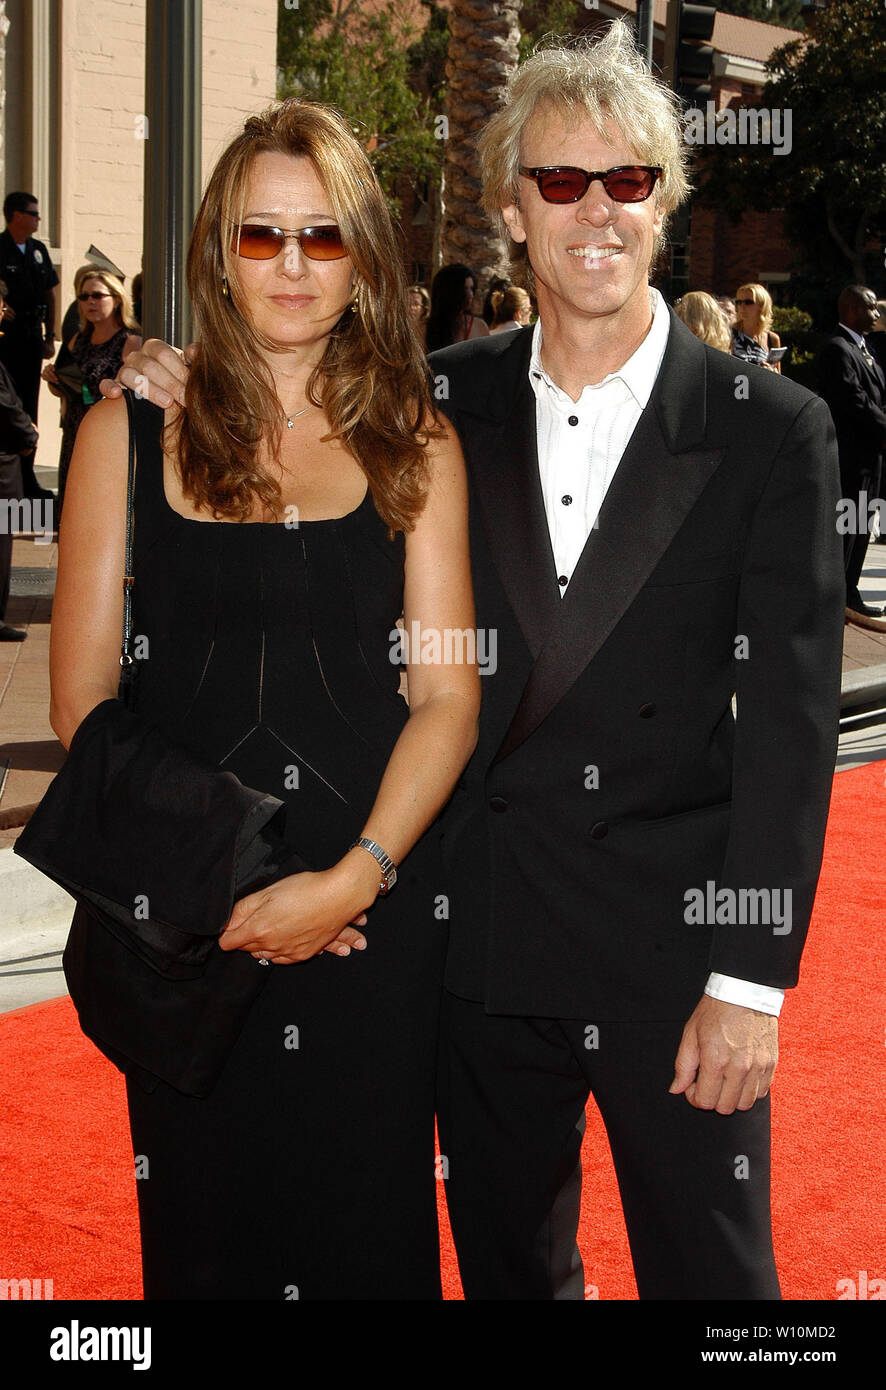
(67, 1207)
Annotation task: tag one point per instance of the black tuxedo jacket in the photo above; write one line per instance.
(610, 776)
(855, 391)
(16, 433)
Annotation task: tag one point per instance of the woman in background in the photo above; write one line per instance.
(419, 308)
(452, 319)
(703, 316)
(108, 333)
(752, 338)
(512, 308)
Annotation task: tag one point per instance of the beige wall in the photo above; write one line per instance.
(102, 106)
(90, 56)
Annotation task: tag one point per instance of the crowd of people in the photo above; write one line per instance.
(99, 330)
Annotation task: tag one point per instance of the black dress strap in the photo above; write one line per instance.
(149, 495)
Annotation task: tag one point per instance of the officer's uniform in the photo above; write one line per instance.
(28, 276)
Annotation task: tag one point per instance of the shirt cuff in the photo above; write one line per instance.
(763, 998)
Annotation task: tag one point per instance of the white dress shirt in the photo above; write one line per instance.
(580, 445)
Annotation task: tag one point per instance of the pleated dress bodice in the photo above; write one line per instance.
(266, 647)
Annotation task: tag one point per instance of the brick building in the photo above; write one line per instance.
(72, 125)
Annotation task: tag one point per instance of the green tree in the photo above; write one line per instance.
(832, 184)
(538, 18)
(366, 66)
(787, 13)
(482, 55)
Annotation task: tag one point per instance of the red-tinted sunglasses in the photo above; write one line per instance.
(263, 243)
(628, 183)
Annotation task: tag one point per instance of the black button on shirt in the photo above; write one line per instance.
(573, 419)
(567, 500)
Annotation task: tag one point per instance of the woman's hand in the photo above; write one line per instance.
(48, 374)
(304, 914)
(155, 371)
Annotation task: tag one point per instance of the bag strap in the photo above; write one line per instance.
(126, 657)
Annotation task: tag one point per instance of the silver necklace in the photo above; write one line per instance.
(290, 418)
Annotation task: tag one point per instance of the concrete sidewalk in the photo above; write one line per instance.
(35, 914)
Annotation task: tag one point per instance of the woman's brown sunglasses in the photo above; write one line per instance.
(263, 243)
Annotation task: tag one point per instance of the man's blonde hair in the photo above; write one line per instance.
(604, 79)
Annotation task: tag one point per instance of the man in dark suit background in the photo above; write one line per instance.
(653, 529)
(876, 339)
(852, 382)
(17, 436)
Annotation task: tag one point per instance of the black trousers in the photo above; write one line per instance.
(694, 1184)
(855, 546)
(5, 569)
(23, 358)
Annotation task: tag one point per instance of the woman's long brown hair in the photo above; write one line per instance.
(372, 380)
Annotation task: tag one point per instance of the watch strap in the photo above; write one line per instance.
(385, 862)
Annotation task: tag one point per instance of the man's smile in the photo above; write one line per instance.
(594, 253)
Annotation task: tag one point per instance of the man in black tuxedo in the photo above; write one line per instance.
(653, 528)
(17, 436)
(852, 382)
(876, 339)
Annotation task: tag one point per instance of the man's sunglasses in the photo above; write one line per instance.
(263, 243)
(628, 183)
(95, 294)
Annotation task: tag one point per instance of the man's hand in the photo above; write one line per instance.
(49, 347)
(727, 1057)
(155, 371)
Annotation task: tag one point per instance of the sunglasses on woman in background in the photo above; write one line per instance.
(263, 243)
(561, 183)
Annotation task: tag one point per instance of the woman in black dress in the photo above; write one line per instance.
(304, 499)
(108, 333)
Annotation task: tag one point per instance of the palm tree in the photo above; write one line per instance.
(483, 42)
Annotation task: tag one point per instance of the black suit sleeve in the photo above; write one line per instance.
(791, 610)
(852, 406)
(17, 433)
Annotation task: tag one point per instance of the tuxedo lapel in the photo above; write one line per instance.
(872, 372)
(658, 481)
(508, 490)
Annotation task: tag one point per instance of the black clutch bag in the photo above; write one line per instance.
(156, 845)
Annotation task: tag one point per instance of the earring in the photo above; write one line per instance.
(225, 286)
(355, 303)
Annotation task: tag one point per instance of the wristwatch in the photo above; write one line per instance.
(388, 867)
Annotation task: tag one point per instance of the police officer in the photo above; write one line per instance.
(29, 317)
